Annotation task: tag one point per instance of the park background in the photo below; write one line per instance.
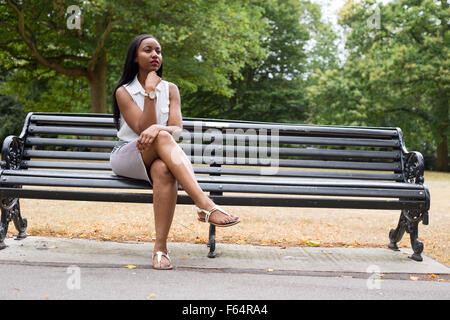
(367, 63)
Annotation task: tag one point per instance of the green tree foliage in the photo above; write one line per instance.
(273, 89)
(396, 74)
(206, 42)
(12, 115)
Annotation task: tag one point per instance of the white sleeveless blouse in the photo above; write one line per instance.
(137, 92)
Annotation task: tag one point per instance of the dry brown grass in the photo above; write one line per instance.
(259, 226)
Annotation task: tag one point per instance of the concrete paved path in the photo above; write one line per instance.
(55, 268)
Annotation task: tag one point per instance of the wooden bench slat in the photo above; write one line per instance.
(72, 119)
(300, 173)
(66, 165)
(76, 155)
(303, 152)
(37, 141)
(268, 180)
(323, 164)
(69, 130)
(225, 151)
(220, 123)
(354, 203)
(215, 187)
(230, 171)
(297, 129)
(352, 165)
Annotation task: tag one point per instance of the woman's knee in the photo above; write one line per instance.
(159, 171)
(164, 137)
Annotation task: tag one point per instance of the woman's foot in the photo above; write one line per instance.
(217, 217)
(161, 260)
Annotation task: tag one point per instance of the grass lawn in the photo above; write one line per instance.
(259, 226)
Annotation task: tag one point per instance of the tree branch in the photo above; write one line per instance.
(73, 72)
(100, 44)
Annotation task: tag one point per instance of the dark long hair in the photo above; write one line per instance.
(130, 70)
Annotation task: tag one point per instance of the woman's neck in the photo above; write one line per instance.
(142, 76)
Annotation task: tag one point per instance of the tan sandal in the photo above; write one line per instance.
(158, 266)
(208, 214)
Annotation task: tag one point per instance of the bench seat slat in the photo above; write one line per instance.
(381, 204)
(215, 187)
(269, 180)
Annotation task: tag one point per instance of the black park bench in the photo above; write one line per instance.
(239, 163)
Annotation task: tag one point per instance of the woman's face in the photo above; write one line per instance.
(148, 55)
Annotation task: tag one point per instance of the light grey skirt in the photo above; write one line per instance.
(127, 161)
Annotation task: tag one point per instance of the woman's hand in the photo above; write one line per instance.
(151, 81)
(147, 137)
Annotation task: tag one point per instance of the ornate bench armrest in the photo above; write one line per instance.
(12, 152)
(413, 168)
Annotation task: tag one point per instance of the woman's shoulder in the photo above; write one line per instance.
(172, 86)
(121, 90)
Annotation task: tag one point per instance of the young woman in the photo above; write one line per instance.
(147, 112)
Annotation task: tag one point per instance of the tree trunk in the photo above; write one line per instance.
(97, 81)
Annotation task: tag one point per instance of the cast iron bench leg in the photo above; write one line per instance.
(11, 211)
(3, 229)
(409, 222)
(212, 241)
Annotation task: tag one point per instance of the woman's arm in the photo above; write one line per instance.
(138, 119)
(174, 124)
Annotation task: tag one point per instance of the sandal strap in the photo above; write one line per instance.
(161, 254)
(208, 213)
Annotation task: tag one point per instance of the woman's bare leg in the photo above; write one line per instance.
(164, 201)
(166, 148)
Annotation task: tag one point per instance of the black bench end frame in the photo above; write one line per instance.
(240, 163)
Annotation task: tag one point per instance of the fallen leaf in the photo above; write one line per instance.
(269, 270)
(151, 295)
(432, 276)
(313, 243)
(413, 278)
(130, 266)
